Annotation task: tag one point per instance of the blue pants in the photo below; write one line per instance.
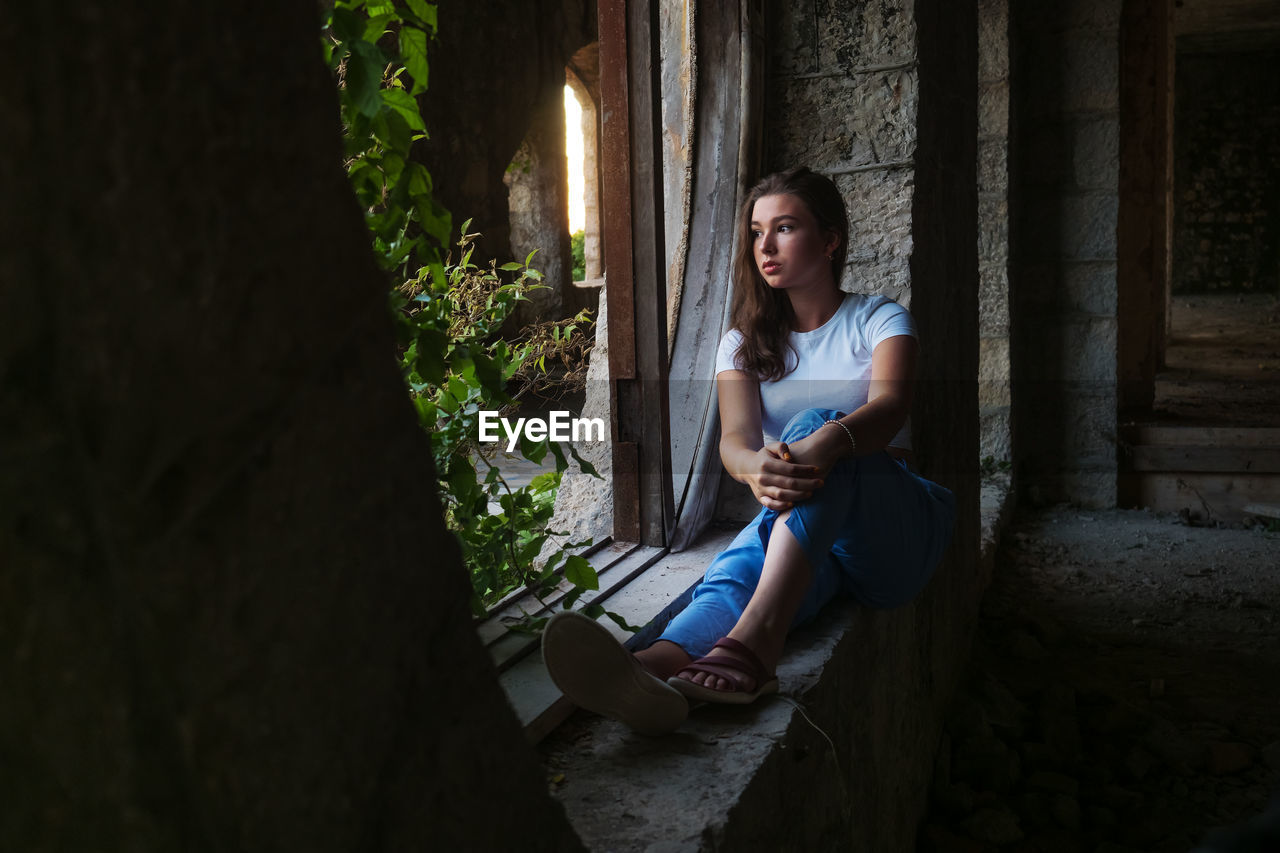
(874, 530)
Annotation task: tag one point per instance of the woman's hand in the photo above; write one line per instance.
(819, 451)
(778, 483)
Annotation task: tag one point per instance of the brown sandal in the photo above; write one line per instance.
(735, 670)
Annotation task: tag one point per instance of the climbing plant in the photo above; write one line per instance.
(457, 368)
(378, 53)
(448, 313)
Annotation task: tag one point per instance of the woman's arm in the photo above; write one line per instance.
(893, 366)
(776, 482)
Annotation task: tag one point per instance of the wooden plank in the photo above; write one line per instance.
(626, 491)
(1223, 459)
(1137, 434)
(1146, 174)
(538, 703)
(1217, 497)
(615, 182)
(617, 251)
(648, 259)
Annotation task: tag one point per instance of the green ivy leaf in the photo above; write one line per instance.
(393, 166)
(364, 77)
(413, 48)
(430, 363)
(425, 12)
(579, 572)
(549, 569)
(462, 478)
(620, 622)
(405, 105)
(488, 373)
(435, 220)
(587, 467)
(419, 179)
(534, 451)
(394, 130)
(561, 464)
(376, 27)
(347, 25)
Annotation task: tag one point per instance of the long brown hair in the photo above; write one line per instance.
(763, 315)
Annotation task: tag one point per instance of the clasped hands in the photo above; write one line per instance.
(782, 474)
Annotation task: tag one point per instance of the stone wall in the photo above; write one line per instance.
(1227, 173)
(1064, 201)
(231, 616)
(843, 100)
(993, 228)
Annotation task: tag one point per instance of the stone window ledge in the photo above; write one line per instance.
(849, 743)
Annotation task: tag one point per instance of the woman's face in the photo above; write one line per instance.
(789, 246)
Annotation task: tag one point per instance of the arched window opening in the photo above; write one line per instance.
(581, 150)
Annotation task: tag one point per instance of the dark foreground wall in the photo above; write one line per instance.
(229, 616)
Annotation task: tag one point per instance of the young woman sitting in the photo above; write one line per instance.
(814, 387)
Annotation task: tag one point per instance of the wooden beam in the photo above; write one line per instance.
(1146, 185)
(1186, 436)
(635, 268)
(1219, 497)
(1252, 460)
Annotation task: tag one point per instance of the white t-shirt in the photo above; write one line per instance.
(831, 365)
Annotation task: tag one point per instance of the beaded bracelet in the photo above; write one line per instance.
(847, 432)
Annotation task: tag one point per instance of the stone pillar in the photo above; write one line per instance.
(1064, 178)
(538, 182)
(232, 617)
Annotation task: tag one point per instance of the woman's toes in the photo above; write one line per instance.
(707, 680)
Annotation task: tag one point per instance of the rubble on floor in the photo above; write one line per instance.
(1122, 694)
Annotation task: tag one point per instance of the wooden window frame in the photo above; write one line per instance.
(635, 269)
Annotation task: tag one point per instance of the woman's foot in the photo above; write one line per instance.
(596, 672)
(730, 674)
